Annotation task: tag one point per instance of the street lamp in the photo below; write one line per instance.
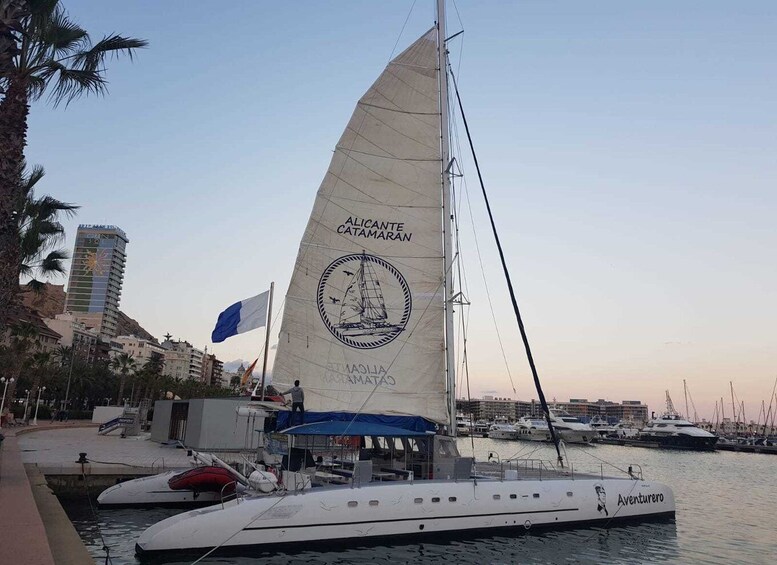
(37, 405)
(26, 403)
(2, 402)
(69, 376)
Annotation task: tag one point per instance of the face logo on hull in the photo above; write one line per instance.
(364, 301)
(601, 500)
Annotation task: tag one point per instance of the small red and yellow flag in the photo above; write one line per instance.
(248, 373)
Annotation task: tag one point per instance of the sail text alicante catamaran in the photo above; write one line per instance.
(360, 305)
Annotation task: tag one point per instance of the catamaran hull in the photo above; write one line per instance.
(393, 511)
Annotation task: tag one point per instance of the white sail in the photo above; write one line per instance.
(363, 324)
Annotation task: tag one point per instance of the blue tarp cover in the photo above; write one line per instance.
(350, 429)
(411, 423)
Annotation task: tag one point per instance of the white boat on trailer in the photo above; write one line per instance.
(368, 330)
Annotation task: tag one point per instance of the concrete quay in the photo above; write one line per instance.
(37, 462)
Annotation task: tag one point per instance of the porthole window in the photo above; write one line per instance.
(497, 497)
(513, 496)
(436, 499)
(569, 493)
(354, 504)
(419, 500)
(451, 499)
(374, 502)
(536, 495)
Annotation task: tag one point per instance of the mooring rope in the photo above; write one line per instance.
(106, 549)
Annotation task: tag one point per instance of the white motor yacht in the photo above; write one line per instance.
(672, 431)
(533, 429)
(503, 431)
(570, 428)
(675, 432)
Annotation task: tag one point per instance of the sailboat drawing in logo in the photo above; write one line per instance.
(361, 318)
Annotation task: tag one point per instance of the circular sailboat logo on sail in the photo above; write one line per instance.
(364, 300)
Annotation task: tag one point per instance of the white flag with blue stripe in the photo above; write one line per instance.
(241, 317)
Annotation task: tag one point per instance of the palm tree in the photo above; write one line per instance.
(23, 339)
(40, 232)
(41, 51)
(64, 354)
(153, 371)
(40, 365)
(124, 364)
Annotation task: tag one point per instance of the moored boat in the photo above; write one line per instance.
(368, 331)
(533, 429)
(570, 428)
(670, 430)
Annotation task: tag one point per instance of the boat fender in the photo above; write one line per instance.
(263, 481)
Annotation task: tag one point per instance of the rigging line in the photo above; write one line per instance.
(586, 451)
(483, 270)
(401, 31)
(461, 24)
(513, 299)
(464, 319)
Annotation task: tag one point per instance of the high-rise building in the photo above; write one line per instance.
(142, 350)
(183, 360)
(96, 276)
(212, 369)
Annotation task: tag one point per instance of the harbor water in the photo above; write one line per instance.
(725, 514)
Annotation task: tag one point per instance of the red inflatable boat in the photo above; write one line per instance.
(204, 479)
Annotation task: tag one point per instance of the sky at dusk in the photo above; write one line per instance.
(628, 149)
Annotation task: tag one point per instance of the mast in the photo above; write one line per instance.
(442, 77)
(267, 336)
(685, 390)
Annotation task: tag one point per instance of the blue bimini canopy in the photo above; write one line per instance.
(350, 429)
(411, 423)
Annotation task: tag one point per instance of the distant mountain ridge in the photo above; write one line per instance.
(51, 301)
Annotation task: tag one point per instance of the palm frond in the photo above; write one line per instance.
(111, 45)
(63, 36)
(36, 286)
(52, 264)
(32, 177)
(49, 207)
(36, 86)
(73, 83)
(42, 8)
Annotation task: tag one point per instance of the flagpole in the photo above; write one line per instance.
(267, 337)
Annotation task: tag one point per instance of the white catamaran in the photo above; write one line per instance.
(368, 330)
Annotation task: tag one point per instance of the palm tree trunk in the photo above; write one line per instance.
(121, 389)
(14, 110)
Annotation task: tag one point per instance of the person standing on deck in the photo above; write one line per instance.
(297, 402)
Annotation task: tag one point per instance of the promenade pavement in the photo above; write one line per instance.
(27, 537)
(56, 450)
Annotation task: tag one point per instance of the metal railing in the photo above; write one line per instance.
(231, 496)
